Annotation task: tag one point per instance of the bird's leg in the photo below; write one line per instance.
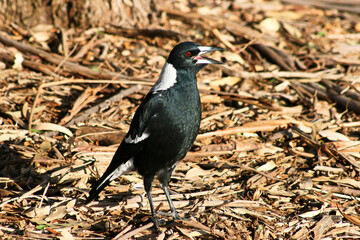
(174, 213)
(164, 178)
(148, 185)
(153, 213)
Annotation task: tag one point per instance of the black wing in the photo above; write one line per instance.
(128, 149)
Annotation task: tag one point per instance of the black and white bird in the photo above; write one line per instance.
(164, 126)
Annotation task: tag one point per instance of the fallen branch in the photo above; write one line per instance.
(270, 125)
(50, 84)
(349, 6)
(104, 104)
(317, 76)
(49, 70)
(57, 60)
(134, 232)
(195, 224)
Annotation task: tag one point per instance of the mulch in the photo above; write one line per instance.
(277, 155)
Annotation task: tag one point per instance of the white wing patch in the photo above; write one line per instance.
(137, 139)
(122, 169)
(167, 78)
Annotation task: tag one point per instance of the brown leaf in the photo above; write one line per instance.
(351, 218)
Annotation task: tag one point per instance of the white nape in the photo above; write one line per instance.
(167, 78)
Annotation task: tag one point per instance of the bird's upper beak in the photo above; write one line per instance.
(205, 60)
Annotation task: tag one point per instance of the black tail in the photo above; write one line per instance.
(97, 187)
(121, 163)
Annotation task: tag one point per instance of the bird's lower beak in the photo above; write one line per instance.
(205, 60)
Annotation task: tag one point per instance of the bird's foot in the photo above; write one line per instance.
(158, 222)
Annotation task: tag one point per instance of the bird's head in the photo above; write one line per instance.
(189, 55)
(186, 56)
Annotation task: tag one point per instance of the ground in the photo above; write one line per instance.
(277, 156)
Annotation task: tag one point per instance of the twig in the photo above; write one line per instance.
(136, 33)
(34, 190)
(66, 58)
(224, 113)
(134, 204)
(29, 64)
(246, 99)
(276, 56)
(261, 173)
(57, 60)
(217, 34)
(125, 230)
(42, 197)
(340, 5)
(128, 226)
(195, 224)
(77, 81)
(208, 154)
(18, 198)
(262, 126)
(317, 76)
(6, 229)
(161, 236)
(86, 97)
(134, 232)
(339, 195)
(105, 104)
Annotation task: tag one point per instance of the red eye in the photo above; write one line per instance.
(188, 54)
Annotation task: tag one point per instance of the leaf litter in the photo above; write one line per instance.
(278, 152)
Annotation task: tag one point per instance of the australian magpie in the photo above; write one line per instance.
(164, 126)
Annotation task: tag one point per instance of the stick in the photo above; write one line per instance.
(57, 60)
(134, 232)
(44, 194)
(77, 81)
(195, 224)
(104, 104)
(245, 129)
(318, 76)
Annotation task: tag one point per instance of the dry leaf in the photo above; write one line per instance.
(52, 127)
(66, 235)
(267, 166)
(56, 213)
(38, 212)
(292, 30)
(224, 81)
(310, 214)
(333, 136)
(45, 146)
(322, 226)
(233, 57)
(196, 173)
(268, 149)
(18, 134)
(351, 218)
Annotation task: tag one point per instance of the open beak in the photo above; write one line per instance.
(205, 60)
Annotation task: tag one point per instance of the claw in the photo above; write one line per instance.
(158, 222)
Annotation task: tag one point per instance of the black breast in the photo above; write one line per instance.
(172, 130)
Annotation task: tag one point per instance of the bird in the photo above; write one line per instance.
(164, 126)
